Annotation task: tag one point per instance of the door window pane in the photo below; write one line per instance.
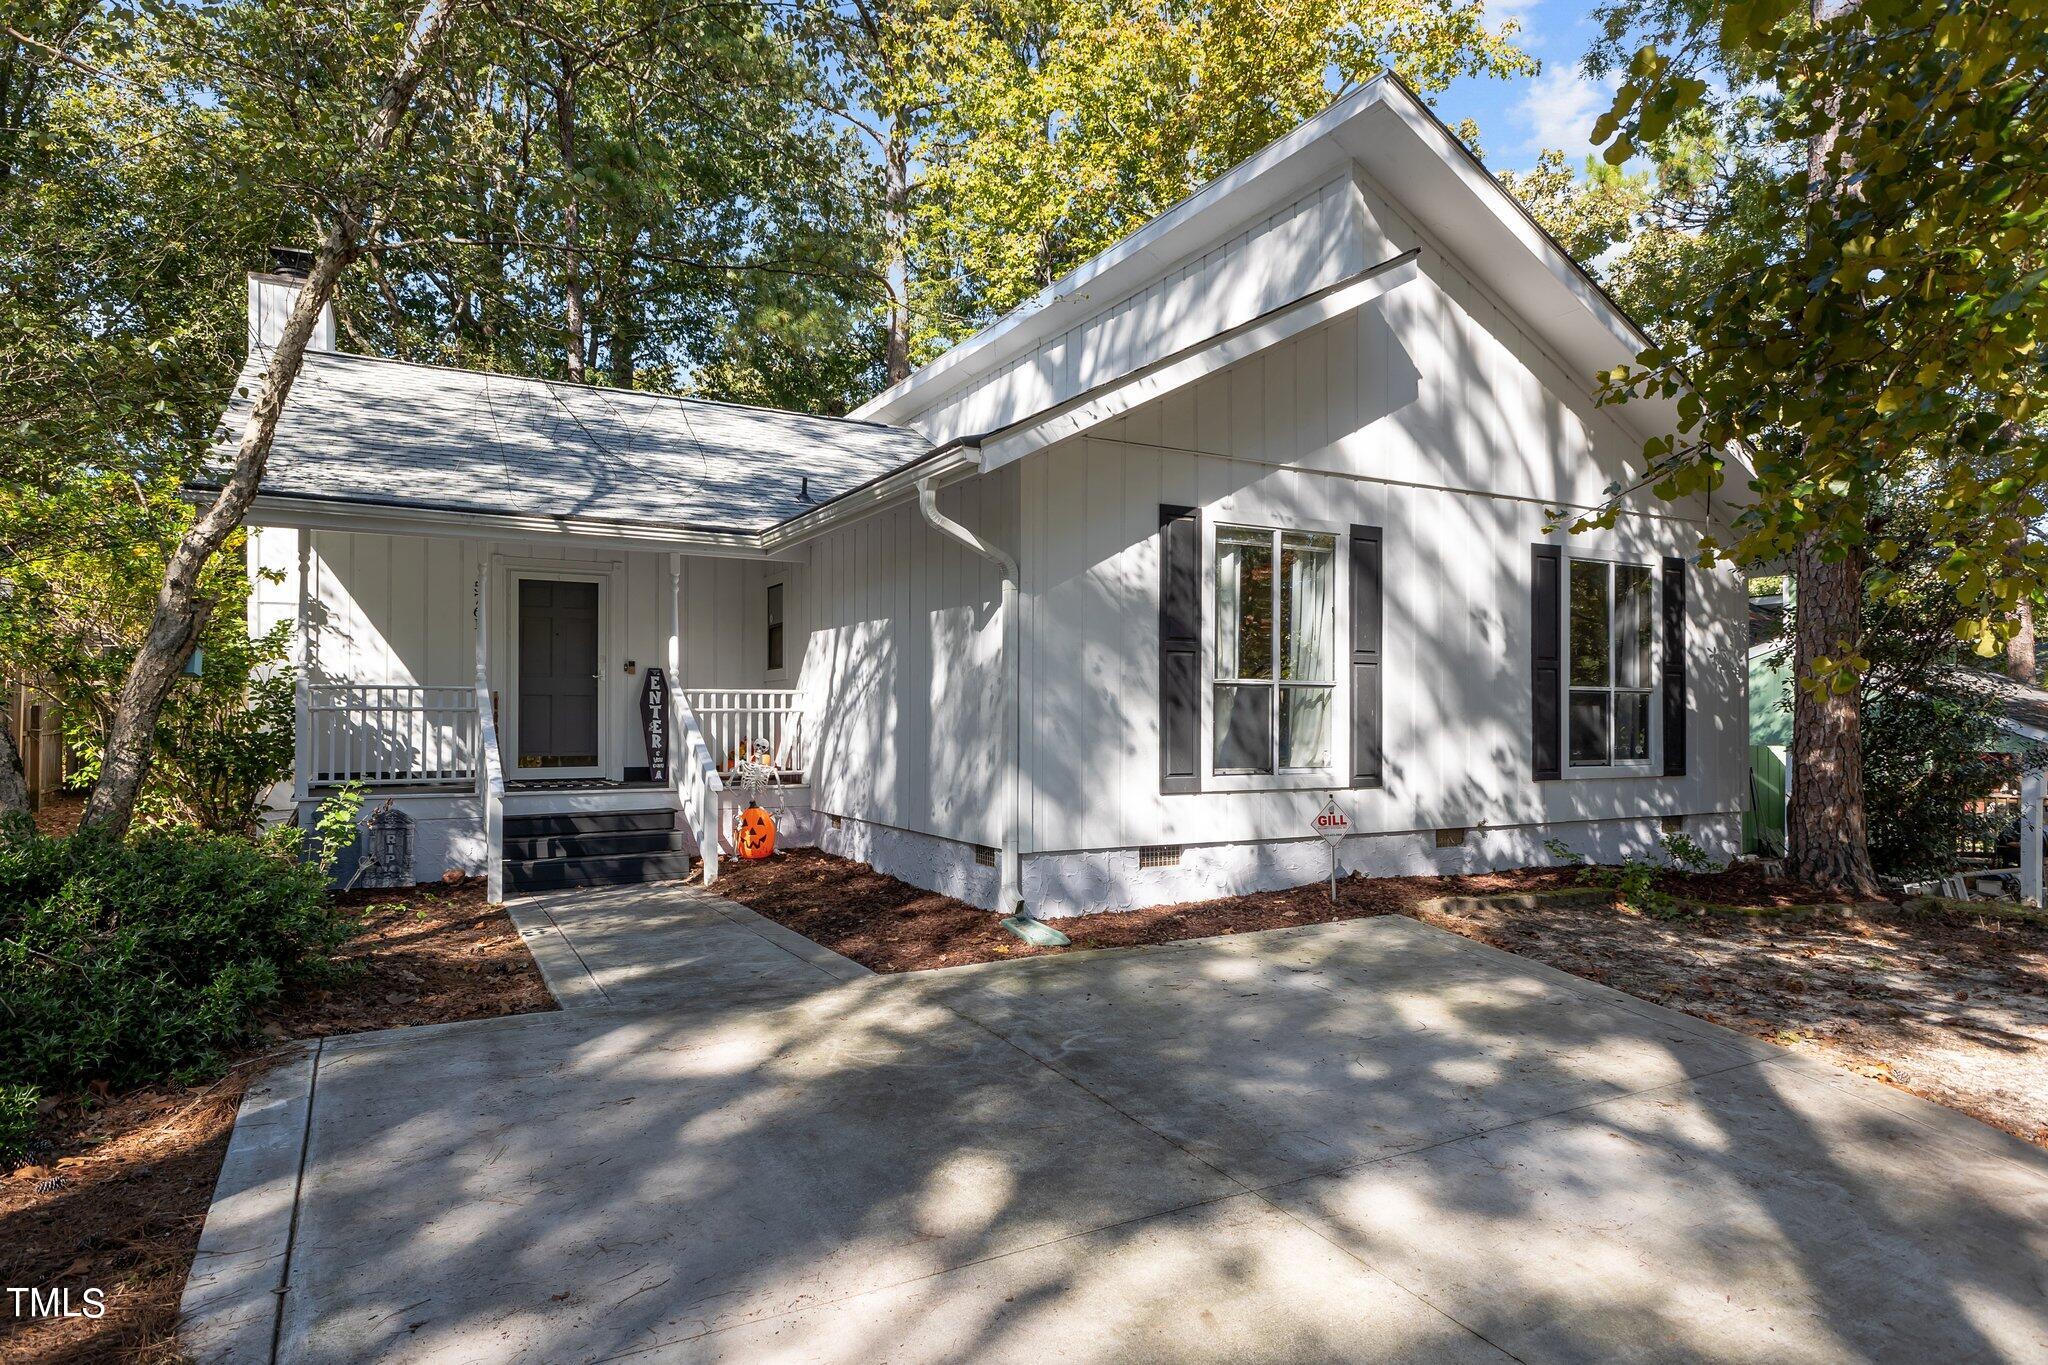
(774, 627)
(1244, 728)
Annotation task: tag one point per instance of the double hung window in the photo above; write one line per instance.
(1609, 643)
(1275, 677)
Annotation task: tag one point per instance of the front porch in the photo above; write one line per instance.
(544, 715)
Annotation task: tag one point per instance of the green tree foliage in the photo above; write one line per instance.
(1844, 259)
(1877, 318)
(75, 614)
(635, 193)
(1589, 212)
(1056, 127)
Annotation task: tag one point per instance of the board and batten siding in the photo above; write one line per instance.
(901, 666)
(1317, 240)
(1430, 415)
(397, 609)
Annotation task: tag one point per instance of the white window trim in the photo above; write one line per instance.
(1651, 766)
(1337, 773)
(776, 580)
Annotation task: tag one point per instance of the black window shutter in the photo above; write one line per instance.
(1546, 670)
(1180, 649)
(1365, 656)
(1674, 666)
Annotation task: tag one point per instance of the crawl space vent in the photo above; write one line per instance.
(1159, 855)
(1451, 838)
(984, 855)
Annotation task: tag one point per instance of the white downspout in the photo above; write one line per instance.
(1010, 876)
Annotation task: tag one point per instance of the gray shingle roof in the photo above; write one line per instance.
(362, 429)
(2017, 701)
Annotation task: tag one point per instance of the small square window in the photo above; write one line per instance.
(774, 627)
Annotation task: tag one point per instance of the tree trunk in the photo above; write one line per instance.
(1828, 842)
(13, 785)
(1827, 837)
(180, 612)
(2019, 650)
(576, 348)
(896, 246)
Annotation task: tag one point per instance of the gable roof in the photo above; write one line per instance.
(358, 429)
(1386, 130)
(430, 441)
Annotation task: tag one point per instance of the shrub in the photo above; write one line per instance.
(17, 1120)
(140, 961)
(1634, 882)
(337, 826)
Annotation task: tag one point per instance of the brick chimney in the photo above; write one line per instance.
(271, 296)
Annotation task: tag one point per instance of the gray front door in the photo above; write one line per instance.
(558, 665)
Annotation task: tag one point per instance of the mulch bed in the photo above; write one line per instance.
(892, 926)
(137, 1169)
(1948, 1004)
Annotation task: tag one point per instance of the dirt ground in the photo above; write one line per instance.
(116, 1189)
(59, 814)
(1951, 1006)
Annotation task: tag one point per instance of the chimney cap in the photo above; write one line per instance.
(296, 262)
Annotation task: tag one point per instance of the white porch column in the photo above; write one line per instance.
(2033, 787)
(490, 780)
(302, 666)
(675, 626)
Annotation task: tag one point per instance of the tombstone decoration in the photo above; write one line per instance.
(654, 723)
(387, 860)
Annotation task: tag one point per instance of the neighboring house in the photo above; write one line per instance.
(2022, 718)
(1271, 479)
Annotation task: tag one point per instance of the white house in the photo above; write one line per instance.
(1095, 610)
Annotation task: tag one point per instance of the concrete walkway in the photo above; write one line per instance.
(1358, 1142)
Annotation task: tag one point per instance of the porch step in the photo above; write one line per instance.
(532, 847)
(551, 874)
(597, 848)
(588, 822)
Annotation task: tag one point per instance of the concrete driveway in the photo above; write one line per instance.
(1359, 1142)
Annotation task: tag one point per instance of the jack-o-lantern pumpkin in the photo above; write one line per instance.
(757, 833)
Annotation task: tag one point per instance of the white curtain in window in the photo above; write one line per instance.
(1308, 603)
(1228, 558)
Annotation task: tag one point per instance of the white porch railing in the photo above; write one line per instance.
(697, 781)
(763, 723)
(389, 734)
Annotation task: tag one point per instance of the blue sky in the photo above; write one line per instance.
(1556, 108)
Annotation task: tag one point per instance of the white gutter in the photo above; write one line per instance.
(1010, 861)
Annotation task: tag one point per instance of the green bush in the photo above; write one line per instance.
(17, 1120)
(146, 960)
